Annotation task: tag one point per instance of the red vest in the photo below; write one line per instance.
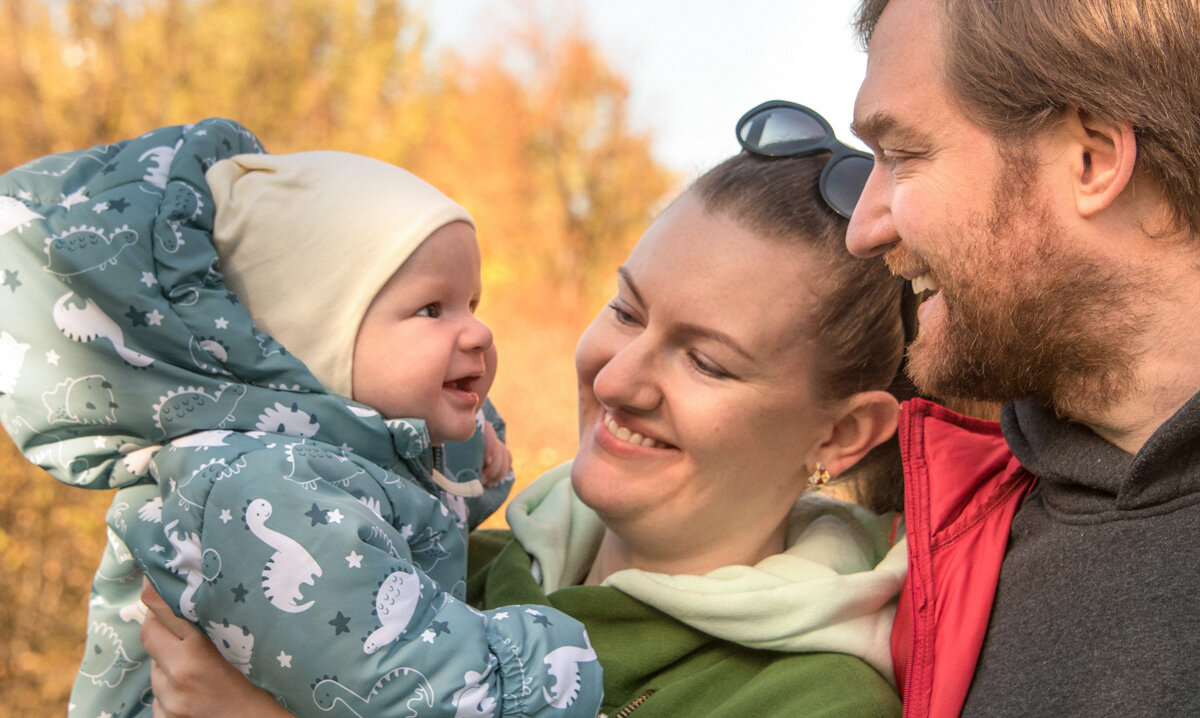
(962, 488)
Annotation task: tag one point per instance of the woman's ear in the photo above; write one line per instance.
(1100, 158)
(867, 419)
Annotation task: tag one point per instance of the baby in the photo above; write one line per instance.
(275, 360)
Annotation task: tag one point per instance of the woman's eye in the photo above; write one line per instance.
(707, 368)
(433, 311)
(622, 316)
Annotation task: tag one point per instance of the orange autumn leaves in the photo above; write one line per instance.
(532, 135)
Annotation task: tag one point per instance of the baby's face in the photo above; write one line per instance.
(420, 352)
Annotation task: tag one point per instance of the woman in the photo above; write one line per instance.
(745, 355)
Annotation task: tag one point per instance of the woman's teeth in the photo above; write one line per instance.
(631, 437)
(925, 283)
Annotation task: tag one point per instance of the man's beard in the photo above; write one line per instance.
(1026, 316)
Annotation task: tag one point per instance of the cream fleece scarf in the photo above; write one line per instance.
(307, 240)
(833, 589)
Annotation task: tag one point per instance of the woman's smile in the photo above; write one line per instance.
(628, 436)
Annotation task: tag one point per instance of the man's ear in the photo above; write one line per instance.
(1101, 159)
(868, 419)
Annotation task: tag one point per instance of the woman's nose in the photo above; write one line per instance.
(871, 229)
(630, 379)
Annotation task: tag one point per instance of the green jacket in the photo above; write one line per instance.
(655, 665)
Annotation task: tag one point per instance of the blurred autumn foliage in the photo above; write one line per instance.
(531, 135)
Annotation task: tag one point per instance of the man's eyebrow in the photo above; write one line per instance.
(685, 328)
(880, 125)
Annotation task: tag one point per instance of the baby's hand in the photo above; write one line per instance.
(497, 459)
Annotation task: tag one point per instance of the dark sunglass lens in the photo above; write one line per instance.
(844, 181)
(780, 131)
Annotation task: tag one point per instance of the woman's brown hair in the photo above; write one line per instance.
(857, 325)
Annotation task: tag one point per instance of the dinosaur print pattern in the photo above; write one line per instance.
(105, 662)
(290, 421)
(329, 692)
(12, 357)
(88, 323)
(83, 400)
(563, 666)
(318, 464)
(289, 568)
(15, 214)
(395, 603)
(235, 643)
(82, 249)
(193, 407)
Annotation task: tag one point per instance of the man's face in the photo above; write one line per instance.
(1014, 306)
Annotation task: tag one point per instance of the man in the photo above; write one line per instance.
(1037, 176)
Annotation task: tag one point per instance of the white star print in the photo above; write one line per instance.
(428, 636)
(354, 559)
(500, 616)
(225, 516)
(335, 516)
(406, 532)
(52, 357)
(158, 548)
(285, 661)
(221, 322)
(99, 442)
(100, 207)
(25, 195)
(154, 318)
(148, 279)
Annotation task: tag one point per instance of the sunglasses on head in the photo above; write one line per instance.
(785, 129)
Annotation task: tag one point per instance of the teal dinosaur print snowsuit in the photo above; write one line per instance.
(301, 531)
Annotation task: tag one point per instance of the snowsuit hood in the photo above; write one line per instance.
(119, 330)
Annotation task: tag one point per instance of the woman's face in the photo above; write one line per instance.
(696, 411)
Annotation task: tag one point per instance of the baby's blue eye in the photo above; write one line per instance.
(433, 311)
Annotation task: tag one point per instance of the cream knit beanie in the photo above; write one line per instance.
(307, 240)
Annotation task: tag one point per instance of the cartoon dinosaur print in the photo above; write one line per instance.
(329, 692)
(193, 407)
(564, 669)
(161, 158)
(204, 477)
(426, 547)
(288, 568)
(473, 700)
(206, 352)
(181, 203)
(235, 643)
(88, 323)
(85, 400)
(321, 465)
(186, 563)
(291, 421)
(82, 249)
(52, 165)
(105, 661)
(395, 603)
(15, 214)
(12, 356)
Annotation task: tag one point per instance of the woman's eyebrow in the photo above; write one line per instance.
(687, 328)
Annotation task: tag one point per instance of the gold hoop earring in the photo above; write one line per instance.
(820, 476)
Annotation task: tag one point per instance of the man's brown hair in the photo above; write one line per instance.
(1014, 65)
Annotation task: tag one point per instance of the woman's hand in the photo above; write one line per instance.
(497, 459)
(189, 677)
